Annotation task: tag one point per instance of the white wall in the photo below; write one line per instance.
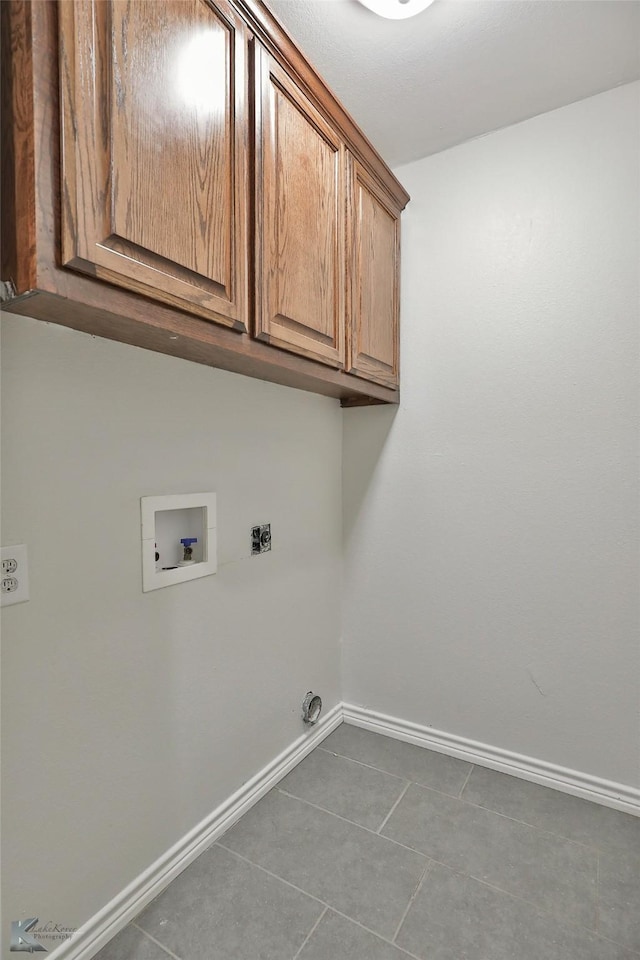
(128, 717)
(491, 524)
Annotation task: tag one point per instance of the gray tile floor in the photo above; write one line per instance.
(372, 849)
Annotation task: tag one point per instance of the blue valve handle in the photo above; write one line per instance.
(187, 541)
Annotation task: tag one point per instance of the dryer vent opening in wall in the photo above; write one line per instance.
(311, 708)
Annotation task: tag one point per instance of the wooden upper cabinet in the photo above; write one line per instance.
(373, 291)
(300, 223)
(177, 176)
(154, 150)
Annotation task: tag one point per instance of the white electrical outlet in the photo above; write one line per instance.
(14, 575)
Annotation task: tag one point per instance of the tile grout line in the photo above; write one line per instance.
(312, 896)
(166, 950)
(524, 823)
(430, 863)
(597, 924)
(310, 934)
(378, 936)
(466, 781)
(532, 826)
(514, 896)
(404, 846)
(270, 873)
(384, 822)
(359, 763)
(479, 806)
(531, 903)
(352, 823)
(616, 943)
(410, 904)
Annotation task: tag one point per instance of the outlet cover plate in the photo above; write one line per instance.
(14, 567)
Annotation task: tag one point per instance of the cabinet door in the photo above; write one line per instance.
(300, 239)
(154, 150)
(373, 290)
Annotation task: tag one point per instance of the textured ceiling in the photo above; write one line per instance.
(463, 67)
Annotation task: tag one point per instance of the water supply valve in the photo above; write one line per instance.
(187, 558)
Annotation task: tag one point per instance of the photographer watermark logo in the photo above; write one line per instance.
(26, 935)
(21, 940)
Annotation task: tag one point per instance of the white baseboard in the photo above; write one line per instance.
(94, 934)
(610, 794)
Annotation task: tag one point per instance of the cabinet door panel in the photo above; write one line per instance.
(300, 243)
(373, 289)
(155, 150)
